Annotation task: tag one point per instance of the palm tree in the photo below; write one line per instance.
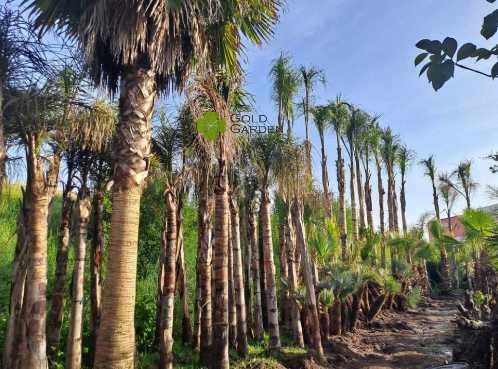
(322, 117)
(339, 117)
(442, 241)
(310, 77)
(265, 149)
(359, 121)
(389, 150)
(405, 156)
(376, 146)
(430, 171)
(153, 49)
(286, 84)
(464, 184)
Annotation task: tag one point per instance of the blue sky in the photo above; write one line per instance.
(366, 49)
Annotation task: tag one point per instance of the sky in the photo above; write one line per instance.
(366, 49)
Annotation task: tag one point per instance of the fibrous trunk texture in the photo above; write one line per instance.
(232, 309)
(298, 222)
(169, 241)
(116, 339)
(381, 192)
(238, 279)
(352, 185)
(361, 192)
(269, 271)
(74, 338)
(256, 273)
(220, 266)
(341, 185)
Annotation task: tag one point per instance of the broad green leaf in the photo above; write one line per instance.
(420, 58)
(439, 74)
(450, 46)
(483, 53)
(494, 70)
(424, 68)
(433, 47)
(210, 125)
(466, 51)
(490, 25)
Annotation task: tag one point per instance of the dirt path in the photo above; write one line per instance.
(414, 340)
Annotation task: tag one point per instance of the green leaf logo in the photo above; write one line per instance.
(210, 125)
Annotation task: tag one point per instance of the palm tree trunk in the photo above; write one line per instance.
(256, 273)
(74, 338)
(445, 269)
(269, 271)
(232, 309)
(341, 180)
(220, 266)
(381, 192)
(204, 262)
(181, 277)
(19, 271)
(435, 199)
(40, 189)
(395, 207)
(308, 279)
(361, 192)
(390, 198)
(116, 339)
(242, 345)
(325, 179)
(295, 318)
(352, 185)
(402, 198)
(170, 241)
(57, 309)
(96, 268)
(368, 201)
(3, 151)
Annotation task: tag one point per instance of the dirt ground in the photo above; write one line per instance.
(413, 340)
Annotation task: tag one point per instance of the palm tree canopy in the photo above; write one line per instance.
(339, 115)
(321, 117)
(390, 146)
(167, 37)
(429, 167)
(404, 158)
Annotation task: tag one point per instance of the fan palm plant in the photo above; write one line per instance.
(442, 241)
(147, 47)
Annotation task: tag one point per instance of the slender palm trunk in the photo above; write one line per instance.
(435, 199)
(294, 313)
(246, 260)
(325, 179)
(170, 242)
(256, 273)
(204, 263)
(116, 339)
(57, 309)
(220, 266)
(96, 268)
(341, 185)
(3, 151)
(75, 337)
(232, 309)
(181, 277)
(395, 207)
(354, 219)
(445, 269)
(306, 127)
(361, 192)
(298, 221)
(269, 271)
(390, 200)
(402, 198)
(40, 189)
(19, 271)
(381, 193)
(238, 277)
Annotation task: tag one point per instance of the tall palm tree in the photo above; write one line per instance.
(389, 150)
(464, 184)
(322, 117)
(358, 124)
(429, 166)
(310, 77)
(405, 156)
(265, 149)
(339, 116)
(146, 48)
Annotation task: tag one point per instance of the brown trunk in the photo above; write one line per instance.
(402, 198)
(57, 309)
(324, 325)
(242, 345)
(181, 278)
(294, 315)
(352, 179)
(368, 201)
(395, 208)
(75, 337)
(269, 271)
(298, 222)
(116, 339)
(232, 309)
(341, 180)
(204, 261)
(19, 271)
(377, 306)
(381, 192)
(355, 309)
(325, 180)
(445, 269)
(335, 318)
(96, 268)
(220, 266)
(256, 273)
(170, 242)
(435, 199)
(361, 192)
(3, 151)
(40, 188)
